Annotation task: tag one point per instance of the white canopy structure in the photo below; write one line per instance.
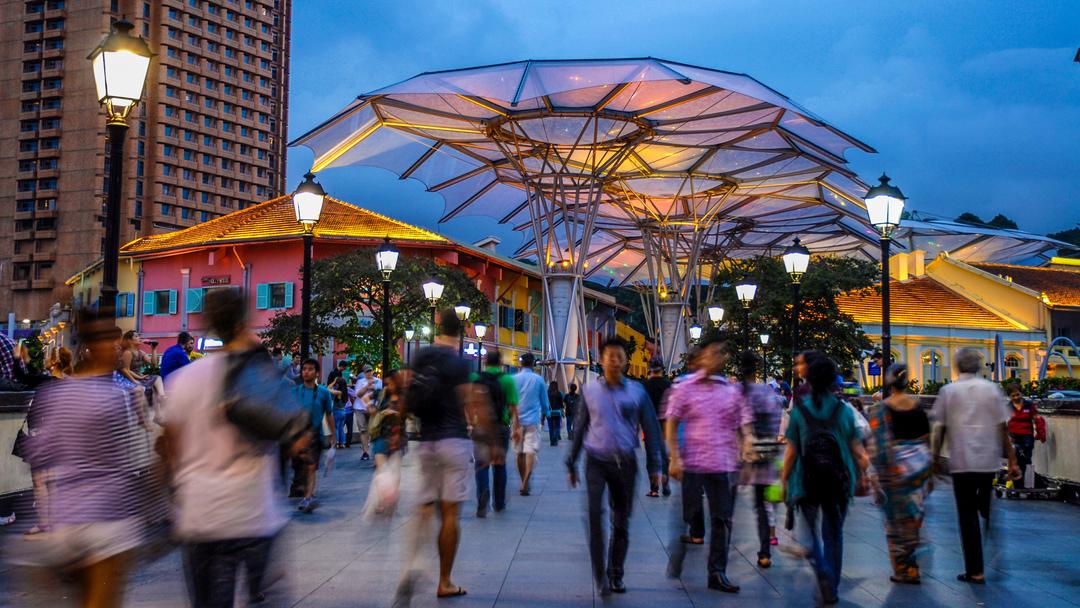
(563, 148)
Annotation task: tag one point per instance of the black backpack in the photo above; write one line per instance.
(496, 396)
(825, 476)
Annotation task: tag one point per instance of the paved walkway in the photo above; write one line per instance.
(535, 555)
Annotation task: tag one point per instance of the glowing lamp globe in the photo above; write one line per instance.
(884, 206)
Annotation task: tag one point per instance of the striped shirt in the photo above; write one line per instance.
(90, 441)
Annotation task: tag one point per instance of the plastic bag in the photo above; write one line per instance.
(385, 490)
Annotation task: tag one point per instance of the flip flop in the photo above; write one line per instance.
(455, 593)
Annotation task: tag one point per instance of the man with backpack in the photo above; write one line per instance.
(489, 448)
(823, 464)
(718, 428)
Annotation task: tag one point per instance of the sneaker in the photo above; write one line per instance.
(774, 541)
(303, 504)
(365, 456)
(312, 505)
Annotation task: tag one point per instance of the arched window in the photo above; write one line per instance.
(1014, 366)
(933, 366)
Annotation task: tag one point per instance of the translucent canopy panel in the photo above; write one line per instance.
(975, 244)
(488, 138)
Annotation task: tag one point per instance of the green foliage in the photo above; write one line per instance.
(1000, 221)
(1072, 235)
(1045, 386)
(821, 324)
(970, 218)
(932, 387)
(349, 286)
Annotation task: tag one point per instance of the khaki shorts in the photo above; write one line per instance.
(530, 440)
(77, 545)
(445, 469)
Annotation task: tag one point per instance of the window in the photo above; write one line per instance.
(21, 272)
(50, 143)
(54, 44)
(52, 103)
(1014, 366)
(274, 296)
(933, 366)
(42, 270)
(125, 304)
(159, 302)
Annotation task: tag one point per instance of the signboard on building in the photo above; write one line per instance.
(223, 279)
(873, 369)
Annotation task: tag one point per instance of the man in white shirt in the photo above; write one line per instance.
(972, 413)
(533, 407)
(365, 403)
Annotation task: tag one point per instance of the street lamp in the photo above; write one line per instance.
(481, 331)
(764, 358)
(716, 314)
(409, 333)
(695, 332)
(386, 259)
(796, 260)
(433, 291)
(884, 207)
(462, 311)
(307, 203)
(120, 63)
(746, 293)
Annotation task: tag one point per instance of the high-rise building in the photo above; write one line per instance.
(208, 139)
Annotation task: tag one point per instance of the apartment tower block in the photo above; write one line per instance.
(208, 139)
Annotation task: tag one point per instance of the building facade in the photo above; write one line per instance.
(163, 278)
(209, 138)
(1008, 313)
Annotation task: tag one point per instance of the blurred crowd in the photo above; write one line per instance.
(129, 461)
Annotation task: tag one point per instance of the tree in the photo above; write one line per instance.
(346, 303)
(1072, 235)
(1000, 221)
(821, 324)
(970, 218)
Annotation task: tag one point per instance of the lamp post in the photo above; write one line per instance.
(746, 293)
(481, 331)
(884, 207)
(716, 315)
(796, 261)
(120, 63)
(433, 291)
(764, 358)
(409, 334)
(386, 259)
(695, 332)
(462, 311)
(308, 204)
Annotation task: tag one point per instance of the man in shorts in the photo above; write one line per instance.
(533, 407)
(438, 395)
(366, 403)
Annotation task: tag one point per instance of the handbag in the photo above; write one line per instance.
(259, 413)
(18, 449)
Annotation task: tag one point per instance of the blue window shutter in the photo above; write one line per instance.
(172, 301)
(148, 302)
(119, 305)
(129, 297)
(288, 295)
(194, 299)
(262, 296)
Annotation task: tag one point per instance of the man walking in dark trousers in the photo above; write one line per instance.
(613, 413)
(973, 413)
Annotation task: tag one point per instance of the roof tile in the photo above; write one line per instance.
(1061, 286)
(920, 301)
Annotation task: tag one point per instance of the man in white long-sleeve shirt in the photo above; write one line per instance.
(533, 407)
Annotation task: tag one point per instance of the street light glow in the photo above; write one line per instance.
(386, 258)
(432, 290)
(120, 63)
(462, 310)
(308, 202)
(796, 260)
(746, 293)
(884, 206)
(716, 314)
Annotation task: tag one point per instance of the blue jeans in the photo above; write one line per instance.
(554, 428)
(483, 455)
(339, 424)
(827, 546)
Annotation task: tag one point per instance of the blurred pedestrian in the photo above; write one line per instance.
(338, 384)
(92, 444)
(718, 428)
(823, 464)
(971, 414)
(226, 416)
(760, 471)
(657, 385)
(532, 409)
(367, 389)
(555, 411)
(319, 404)
(613, 412)
(387, 431)
(61, 365)
(490, 448)
(570, 405)
(132, 365)
(900, 453)
(438, 396)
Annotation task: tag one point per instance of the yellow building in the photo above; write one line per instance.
(946, 305)
(638, 366)
(86, 289)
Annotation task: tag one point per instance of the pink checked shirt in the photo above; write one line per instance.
(711, 410)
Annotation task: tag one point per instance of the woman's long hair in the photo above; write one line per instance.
(822, 377)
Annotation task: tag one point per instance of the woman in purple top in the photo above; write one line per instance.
(93, 447)
(760, 469)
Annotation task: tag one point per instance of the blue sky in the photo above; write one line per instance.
(972, 106)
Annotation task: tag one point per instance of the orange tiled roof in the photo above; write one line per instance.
(275, 219)
(1062, 287)
(920, 301)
